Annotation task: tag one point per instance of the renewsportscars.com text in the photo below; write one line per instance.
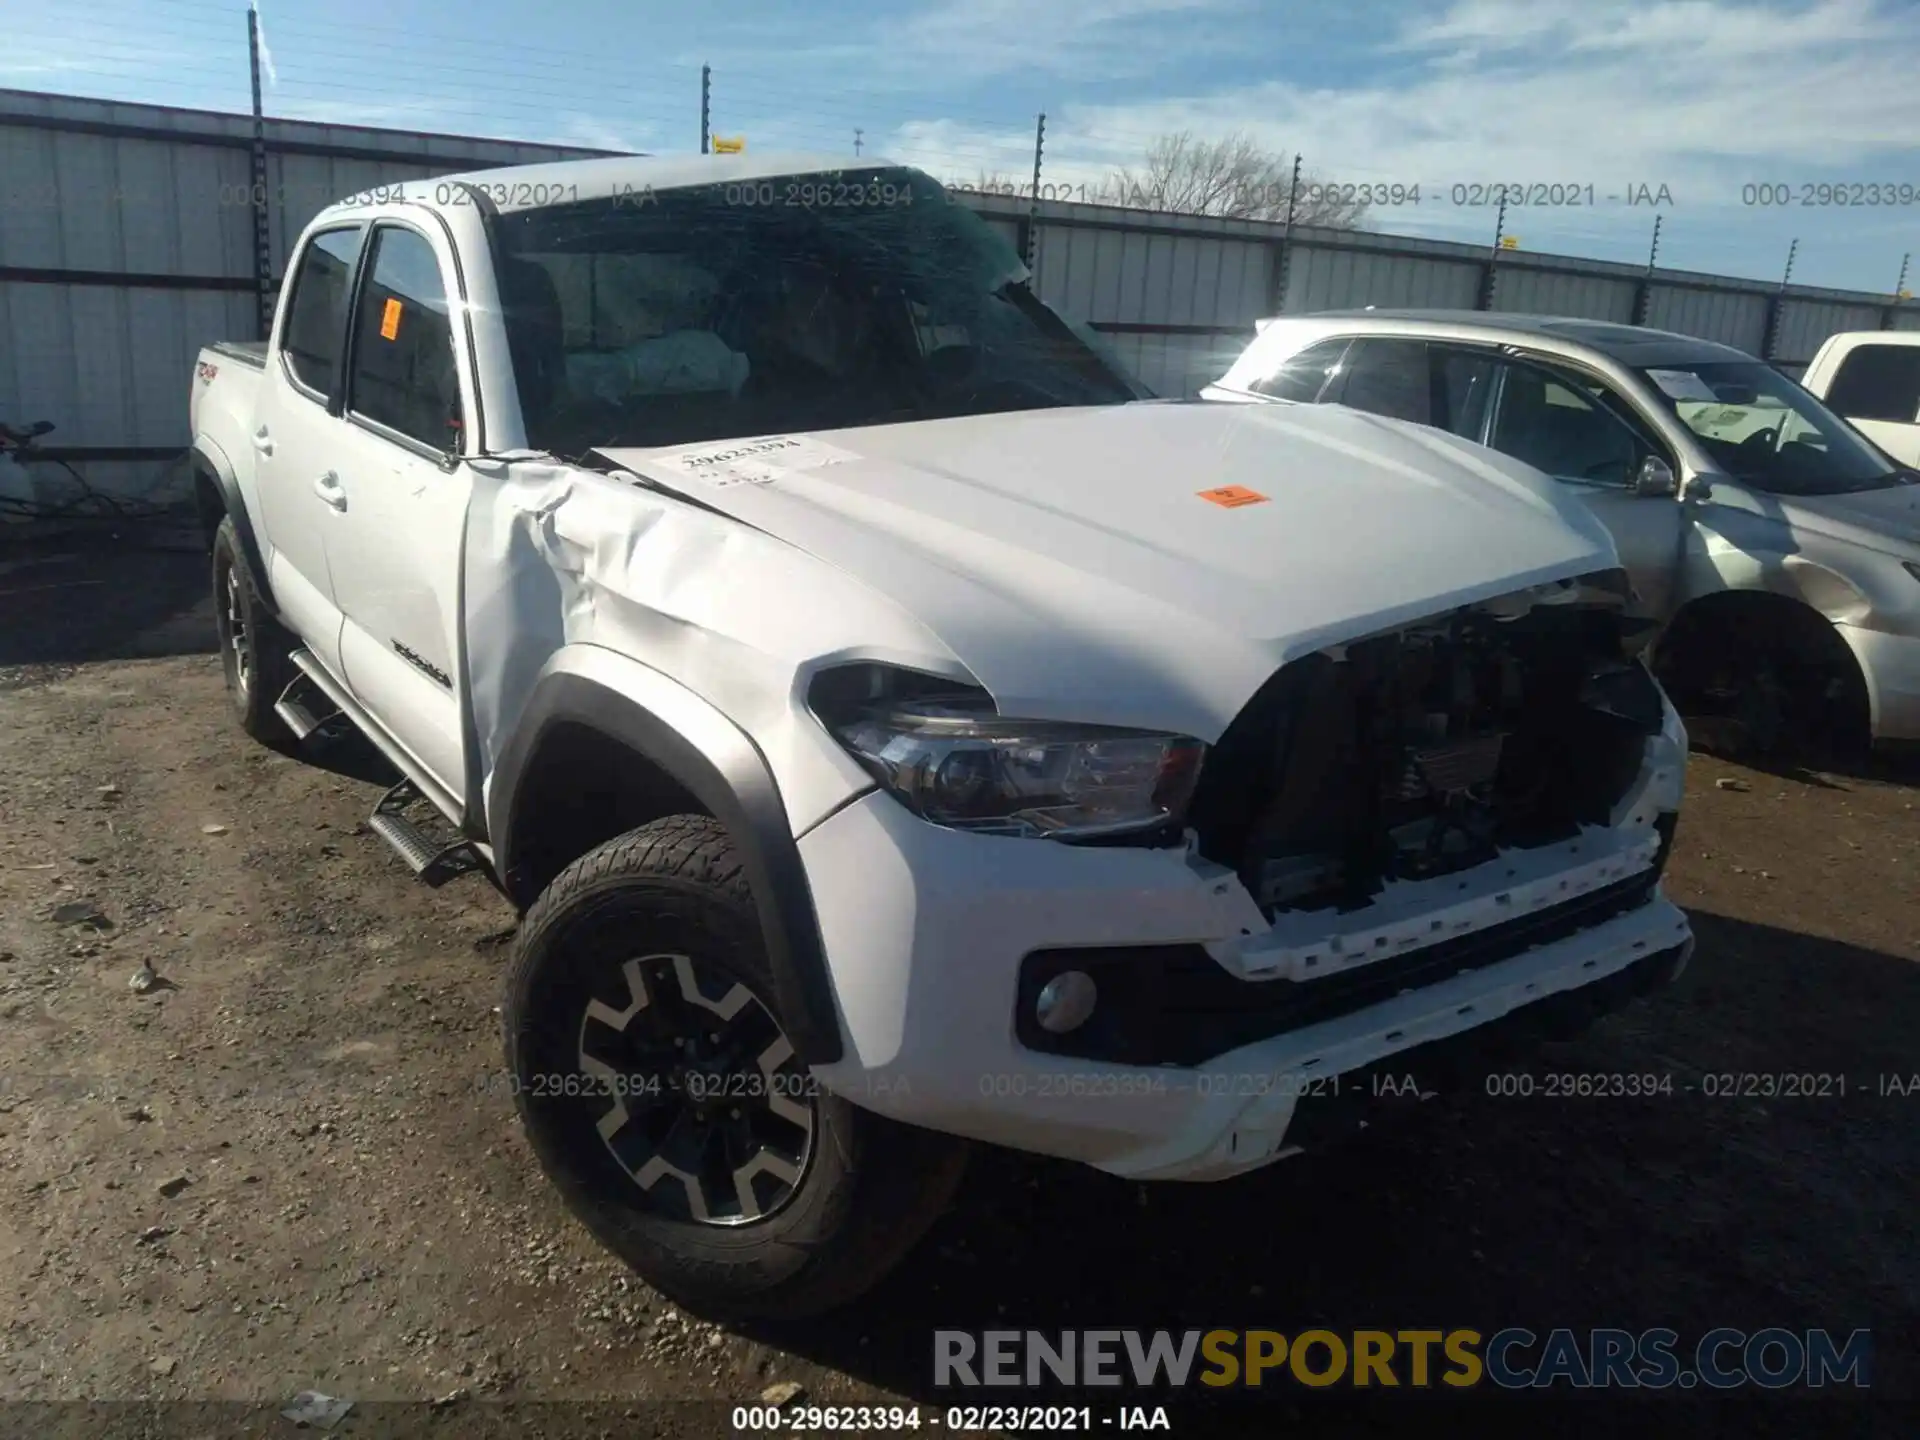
(1512, 1358)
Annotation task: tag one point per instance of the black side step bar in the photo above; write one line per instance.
(435, 863)
(314, 704)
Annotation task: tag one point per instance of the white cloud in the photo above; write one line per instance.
(1484, 27)
(266, 55)
(88, 66)
(426, 114)
(954, 151)
(1600, 98)
(1699, 95)
(1081, 40)
(592, 131)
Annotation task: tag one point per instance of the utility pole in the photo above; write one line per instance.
(1490, 276)
(1643, 295)
(856, 142)
(706, 107)
(1771, 339)
(1890, 316)
(1283, 253)
(262, 228)
(1033, 202)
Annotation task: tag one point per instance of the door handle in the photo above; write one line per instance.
(328, 488)
(262, 441)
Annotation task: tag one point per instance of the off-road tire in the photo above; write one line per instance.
(258, 671)
(869, 1188)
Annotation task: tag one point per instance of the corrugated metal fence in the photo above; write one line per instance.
(1179, 294)
(127, 242)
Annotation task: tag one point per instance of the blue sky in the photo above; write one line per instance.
(1702, 96)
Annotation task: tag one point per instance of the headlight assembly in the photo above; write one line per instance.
(953, 761)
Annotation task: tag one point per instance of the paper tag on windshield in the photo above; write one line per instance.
(1683, 385)
(750, 462)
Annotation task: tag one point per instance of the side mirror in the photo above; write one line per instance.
(1654, 477)
(1698, 488)
(39, 427)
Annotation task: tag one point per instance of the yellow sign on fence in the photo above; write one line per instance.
(723, 146)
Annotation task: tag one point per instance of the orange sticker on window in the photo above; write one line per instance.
(390, 321)
(1232, 496)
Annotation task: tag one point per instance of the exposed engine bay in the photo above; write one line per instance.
(1431, 749)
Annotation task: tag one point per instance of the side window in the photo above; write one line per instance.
(1304, 375)
(1463, 385)
(317, 315)
(1389, 377)
(402, 373)
(1556, 423)
(1878, 382)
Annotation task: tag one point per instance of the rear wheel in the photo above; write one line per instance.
(254, 648)
(654, 1074)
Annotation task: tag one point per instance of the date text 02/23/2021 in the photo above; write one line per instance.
(955, 1419)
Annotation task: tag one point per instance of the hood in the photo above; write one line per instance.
(1083, 557)
(1884, 519)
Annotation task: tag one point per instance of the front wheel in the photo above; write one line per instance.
(652, 1069)
(1765, 687)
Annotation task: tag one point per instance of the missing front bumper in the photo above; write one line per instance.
(1388, 1089)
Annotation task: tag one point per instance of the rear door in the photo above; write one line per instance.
(293, 434)
(1441, 383)
(1877, 387)
(1385, 375)
(400, 495)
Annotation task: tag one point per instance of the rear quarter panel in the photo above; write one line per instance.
(220, 411)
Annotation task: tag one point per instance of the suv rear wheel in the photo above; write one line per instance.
(652, 1069)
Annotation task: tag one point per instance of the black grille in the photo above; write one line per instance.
(1175, 1005)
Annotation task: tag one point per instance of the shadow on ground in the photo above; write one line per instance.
(1688, 1210)
(142, 592)
(88, 593)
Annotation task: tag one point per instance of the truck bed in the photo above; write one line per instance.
(249, 352)
(220, 403)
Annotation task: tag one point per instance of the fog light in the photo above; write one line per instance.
(1066, 1001)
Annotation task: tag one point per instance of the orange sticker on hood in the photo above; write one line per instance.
(1231, 496)
(390, 321)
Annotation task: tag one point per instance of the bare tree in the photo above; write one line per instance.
(1232, 176)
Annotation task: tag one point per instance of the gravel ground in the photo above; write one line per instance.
(291, 1165)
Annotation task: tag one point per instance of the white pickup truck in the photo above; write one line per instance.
(1872, 377)
(893, 729)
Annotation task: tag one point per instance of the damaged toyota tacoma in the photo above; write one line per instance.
(896, 730)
